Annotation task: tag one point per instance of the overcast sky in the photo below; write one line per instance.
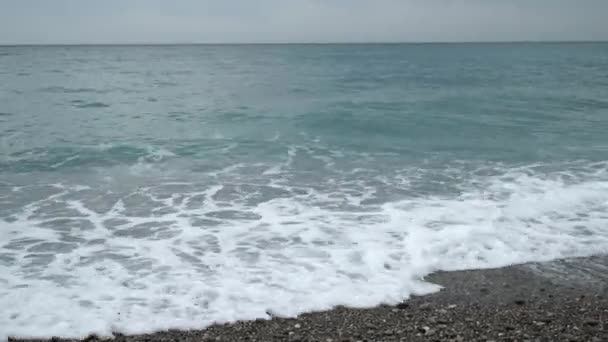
(229, 21)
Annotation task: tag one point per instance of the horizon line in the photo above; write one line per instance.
(306, 43)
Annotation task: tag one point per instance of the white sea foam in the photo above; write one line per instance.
(65, 161)
(183, 254)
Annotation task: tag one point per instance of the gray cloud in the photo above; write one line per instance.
(208, 21)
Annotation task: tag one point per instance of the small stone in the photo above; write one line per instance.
(394, 310)
(329, 340)
(591, 323)
(403, 306)
(570, 337)
(596, 339)
(425, 306)
(520, 302)
(297, 326)
(452, 306)
(459, 338)
(442, 311)
(484, 290)
(509, 328)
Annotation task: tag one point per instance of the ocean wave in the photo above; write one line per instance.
(84, 104)
(100, 155)
(66, 90)
(186, 254)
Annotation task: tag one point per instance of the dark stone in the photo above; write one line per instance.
(591, 323)
(403, 306)
(90, 338)
(520, 302)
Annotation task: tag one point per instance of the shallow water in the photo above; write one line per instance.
(154, 187)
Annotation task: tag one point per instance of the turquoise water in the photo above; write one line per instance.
(153, 187)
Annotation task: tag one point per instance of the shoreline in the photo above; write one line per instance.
(563, 300)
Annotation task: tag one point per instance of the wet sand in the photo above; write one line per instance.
(565, 300)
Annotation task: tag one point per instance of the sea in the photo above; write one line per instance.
(145, 188)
